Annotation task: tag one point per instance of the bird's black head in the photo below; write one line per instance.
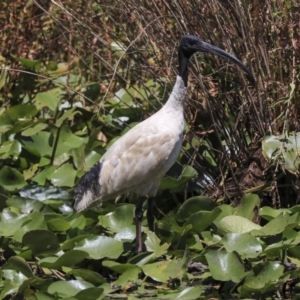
(191, 44)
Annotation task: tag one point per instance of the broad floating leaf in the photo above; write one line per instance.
(194, 205)
(156, 271)
(89, 294)
(12, 282)
(278, 225)
(225, 266)
(244, 244)
(68, 288)
(34, 129)
(262, 275)
(120, 218)
(190, 293)
(11, 222)
(101, 246)
(249, 206)
(202, 219)
(41, 242)
(19, 264)
(48, 99)
(188, 173)
(236, 224)
(117, 267)
(37, 221)
(126, 234)
(11, 179)
(68, 259)
(59, 178)
(269, 213)
(88, 275)
(130, 276)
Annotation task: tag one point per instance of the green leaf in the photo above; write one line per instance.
(120, 218)
(101, 246)
(16, 112)
(194, 205)
(41, 242)
(31, 64)
(11, 222)
(70, 288)
(202, 219)
(49, 99)
(283, 148)
(88, 275)
(10, 148)
(78, 222)
(64, 176)
(278, 225)
(19, 264)
(68, 140)
(24, 205)
(37, 221)
(244, 244)
(173, 183)
(177, 267)
(71, 243)
(92, 91)
(58, 224)
(67, 115)
(286, 244)
(156, 271)
(89, 294)
(248, 207)
(117, 267)
(68, 259)
(11, 179)
(189, 293)
(126, 234)
(39, 144)
(12, 281)
(43, 296)
(34, 129)
(261, 275)
(269, 213)
(236, 224)
(225, 266)
(130, 276)
(152, 244)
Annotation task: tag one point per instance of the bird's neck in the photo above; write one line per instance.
(179, 91)
(177, 97)
(183, 66)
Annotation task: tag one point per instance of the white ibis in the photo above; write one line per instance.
(137, 161)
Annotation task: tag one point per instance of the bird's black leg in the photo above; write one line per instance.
(150, 213)
(138, 219)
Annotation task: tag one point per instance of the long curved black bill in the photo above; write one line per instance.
(205, 47)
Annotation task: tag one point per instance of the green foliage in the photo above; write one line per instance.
(283, 149)
(53, 255)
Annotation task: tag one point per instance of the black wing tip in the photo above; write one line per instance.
(89, 182)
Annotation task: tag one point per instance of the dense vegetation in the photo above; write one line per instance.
(75, 76)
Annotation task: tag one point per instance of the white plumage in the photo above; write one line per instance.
(137, 161)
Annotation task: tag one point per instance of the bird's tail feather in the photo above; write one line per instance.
(88, 189)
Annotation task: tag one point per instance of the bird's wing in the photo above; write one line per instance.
(141, 155)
